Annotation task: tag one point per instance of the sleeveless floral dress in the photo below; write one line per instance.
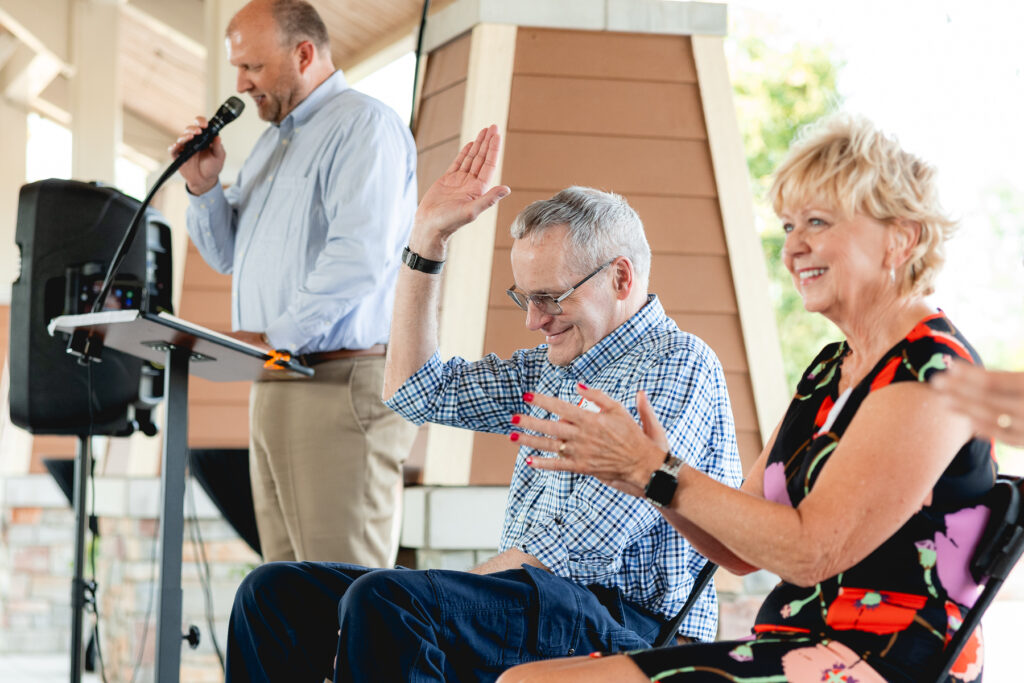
(890, 615)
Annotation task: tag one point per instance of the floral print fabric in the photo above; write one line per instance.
(889, 616)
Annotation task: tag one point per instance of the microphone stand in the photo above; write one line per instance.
(89, 347)
(133, 229)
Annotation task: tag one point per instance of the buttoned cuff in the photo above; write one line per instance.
(206, 200)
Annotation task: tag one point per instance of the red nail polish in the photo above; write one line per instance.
(515, 419)
(594, 655)
(583, 386)
(514, 436)
(527, 397)
(529, 461)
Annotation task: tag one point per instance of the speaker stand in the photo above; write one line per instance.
(83, 469)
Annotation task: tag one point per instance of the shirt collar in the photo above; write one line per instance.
(620, 340)
(332, 85)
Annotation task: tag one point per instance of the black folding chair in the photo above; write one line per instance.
(668, 637)
(1000, 547)
(998, 551)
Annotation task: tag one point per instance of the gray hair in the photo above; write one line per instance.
(602, 226)
(299, 21)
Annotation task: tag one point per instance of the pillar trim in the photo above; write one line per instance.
(750, 276)
(631, 16)
(467, 282)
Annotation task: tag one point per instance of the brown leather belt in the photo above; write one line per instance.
(311, 359)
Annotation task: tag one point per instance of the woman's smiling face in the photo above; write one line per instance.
(837, 262)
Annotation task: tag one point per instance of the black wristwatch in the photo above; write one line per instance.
(417, 262)
(663, 483)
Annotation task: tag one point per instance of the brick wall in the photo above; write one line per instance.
(36, 566)
(126, 576)
(36, 553)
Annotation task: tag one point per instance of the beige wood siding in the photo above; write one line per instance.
(440, 116)
(620, 112)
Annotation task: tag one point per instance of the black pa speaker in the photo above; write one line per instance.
(67, 233)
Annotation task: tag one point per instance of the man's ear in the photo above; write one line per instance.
(904, 236)
(623, 277)
(305, 52)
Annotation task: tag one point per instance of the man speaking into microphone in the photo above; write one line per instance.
(312, 232)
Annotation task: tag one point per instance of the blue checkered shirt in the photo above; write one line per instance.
(578, 527)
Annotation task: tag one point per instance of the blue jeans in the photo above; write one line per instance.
(407, 625)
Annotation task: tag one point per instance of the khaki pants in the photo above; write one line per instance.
(326, 457)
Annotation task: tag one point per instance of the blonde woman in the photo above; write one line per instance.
(865, 498)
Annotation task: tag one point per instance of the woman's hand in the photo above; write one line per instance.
(458, 196)
(993, 400)
(609, 444)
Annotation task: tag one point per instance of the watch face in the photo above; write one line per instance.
(661, 488)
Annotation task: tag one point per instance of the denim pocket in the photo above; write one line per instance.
(559, 615)
(615, 640)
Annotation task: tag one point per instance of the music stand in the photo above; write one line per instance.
(182, 348)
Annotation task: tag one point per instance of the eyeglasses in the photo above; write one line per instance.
(545, 303)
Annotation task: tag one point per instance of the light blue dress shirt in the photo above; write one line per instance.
(576, 526)
(313, 228)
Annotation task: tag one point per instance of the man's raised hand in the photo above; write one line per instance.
(460, 195)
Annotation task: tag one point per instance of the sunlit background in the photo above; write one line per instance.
(945, 77)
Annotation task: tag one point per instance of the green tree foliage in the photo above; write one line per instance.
(776, 93)
(1003, 206)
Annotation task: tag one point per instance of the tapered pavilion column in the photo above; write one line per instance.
(630, 96)
(15, 444)
(221, 77)
(96, 115)
(14, 124)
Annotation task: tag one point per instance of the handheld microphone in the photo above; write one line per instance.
(227, 113)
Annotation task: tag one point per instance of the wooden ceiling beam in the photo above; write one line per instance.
(169, 21)
(41, 24)
(26, 73)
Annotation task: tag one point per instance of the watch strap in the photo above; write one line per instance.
(417, 262)
(672, 464)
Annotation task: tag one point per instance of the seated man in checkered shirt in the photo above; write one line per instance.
(582, 566)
